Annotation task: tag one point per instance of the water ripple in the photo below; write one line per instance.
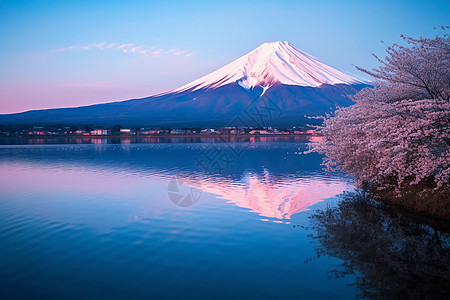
(99, 217)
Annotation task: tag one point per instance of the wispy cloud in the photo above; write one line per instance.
(128, 48)
(178, 52)
(156, 53)
(134, 49)
(100, 45)
(62, 49)
(124, 45)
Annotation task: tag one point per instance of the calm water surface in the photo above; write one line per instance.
(164, 221)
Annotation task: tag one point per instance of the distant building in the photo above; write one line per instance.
(100, 132)
(207, 131)
(80, 132)
(36, 132)
(178, 131)
(149, 132)
(237, 131)
(259, 132)
(127, 131)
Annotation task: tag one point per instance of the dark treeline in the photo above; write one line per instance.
(63, 129)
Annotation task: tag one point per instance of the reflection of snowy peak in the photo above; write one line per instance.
(295, 84)
(270, 198)
(276, 62)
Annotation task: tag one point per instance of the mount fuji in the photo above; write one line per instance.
(274, 85)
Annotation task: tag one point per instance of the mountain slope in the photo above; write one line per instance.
(273, 85)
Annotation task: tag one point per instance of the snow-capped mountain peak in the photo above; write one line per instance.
(273, 62)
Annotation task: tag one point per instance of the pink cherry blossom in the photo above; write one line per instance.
(397, 133)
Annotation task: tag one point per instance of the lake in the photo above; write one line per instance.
(167, 220)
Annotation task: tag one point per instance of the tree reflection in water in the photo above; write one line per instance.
(391, 255)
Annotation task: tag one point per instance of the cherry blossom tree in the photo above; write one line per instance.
(396, 136)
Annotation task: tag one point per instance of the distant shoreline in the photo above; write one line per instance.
(159, 136)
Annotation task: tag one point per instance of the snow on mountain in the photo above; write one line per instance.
(275, 62)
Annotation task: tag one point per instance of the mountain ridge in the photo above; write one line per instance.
(290, 80)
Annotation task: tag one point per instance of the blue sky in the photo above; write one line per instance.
(68, 53)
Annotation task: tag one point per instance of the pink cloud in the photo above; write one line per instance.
(135, 49)
(124, 45)
(61, 49)
(179, 52)
(127, 48)
(156, 53)
(100, 45)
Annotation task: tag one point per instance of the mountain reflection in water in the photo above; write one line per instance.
(270, 196)
(273, 180)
